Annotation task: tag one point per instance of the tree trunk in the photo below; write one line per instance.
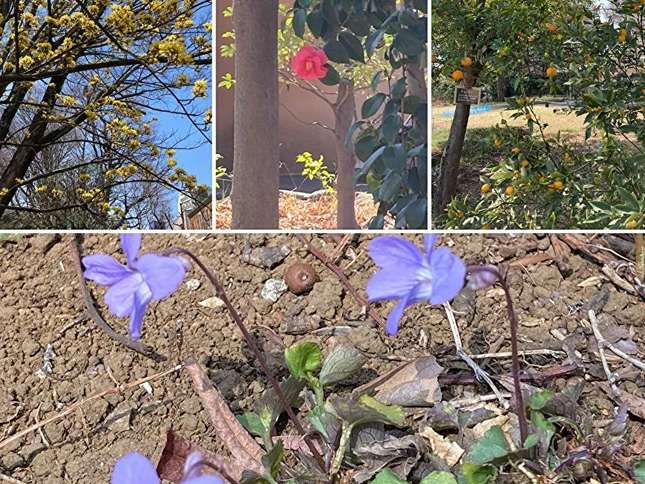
(452, 155)
(345, 162)
(256, 174)
(500, 86)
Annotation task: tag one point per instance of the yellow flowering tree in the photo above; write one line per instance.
(93, 82)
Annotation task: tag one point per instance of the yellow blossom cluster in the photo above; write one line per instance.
(121, 19)
(91, 195)
(83, 177)
(121, 129)
(26, 62)
(200, 88)
(172, 48)
(181, 176)
(183, 21)
(182, 80)
(68, 101)
(122, 172)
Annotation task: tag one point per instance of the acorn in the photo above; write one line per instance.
(300, 278)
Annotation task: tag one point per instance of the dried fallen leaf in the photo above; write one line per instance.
(239, 443)
(449, 451)
(177, 449)
(416, 384)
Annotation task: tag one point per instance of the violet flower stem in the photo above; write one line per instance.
(515, 359)
(221, 293)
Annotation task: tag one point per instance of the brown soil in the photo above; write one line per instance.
(317, 213)
(40, 305)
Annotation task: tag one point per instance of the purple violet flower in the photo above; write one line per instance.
(135, 468)
(411, 276)
(146, 278)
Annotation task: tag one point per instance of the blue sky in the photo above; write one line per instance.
(195, 157)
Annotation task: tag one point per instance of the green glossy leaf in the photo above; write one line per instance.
(390, 127)
(371, 105)
(416, 213)
(336, 52)
(394, 157)
(370, 161)
(349, 137)
(410, 104)
(390, 187)
(299, 20)
(365, 146)
(352, 45)
(330, 13)
(316, 22)
(398, 88)
(332, 77)
(303, 359)
(373, 41)
(408, 43)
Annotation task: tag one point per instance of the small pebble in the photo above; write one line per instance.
(273, 289)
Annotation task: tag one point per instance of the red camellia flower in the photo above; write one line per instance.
(309, 63)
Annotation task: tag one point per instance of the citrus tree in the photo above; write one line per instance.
(579, 51)
(82, 85)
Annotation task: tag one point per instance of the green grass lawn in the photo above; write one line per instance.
(556, 118)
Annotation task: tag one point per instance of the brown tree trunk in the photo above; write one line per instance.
(452, 155)
(256, 144)
(500, 86)
(345, 162)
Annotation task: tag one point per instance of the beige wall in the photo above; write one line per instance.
(295, 136)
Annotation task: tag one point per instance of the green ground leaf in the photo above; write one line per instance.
(439, 477)
(303, 359)
(491, 446)
(639, 471)
(340, 364)
(386, 476)
(479, 474)
(252, 422)
(539, 399)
